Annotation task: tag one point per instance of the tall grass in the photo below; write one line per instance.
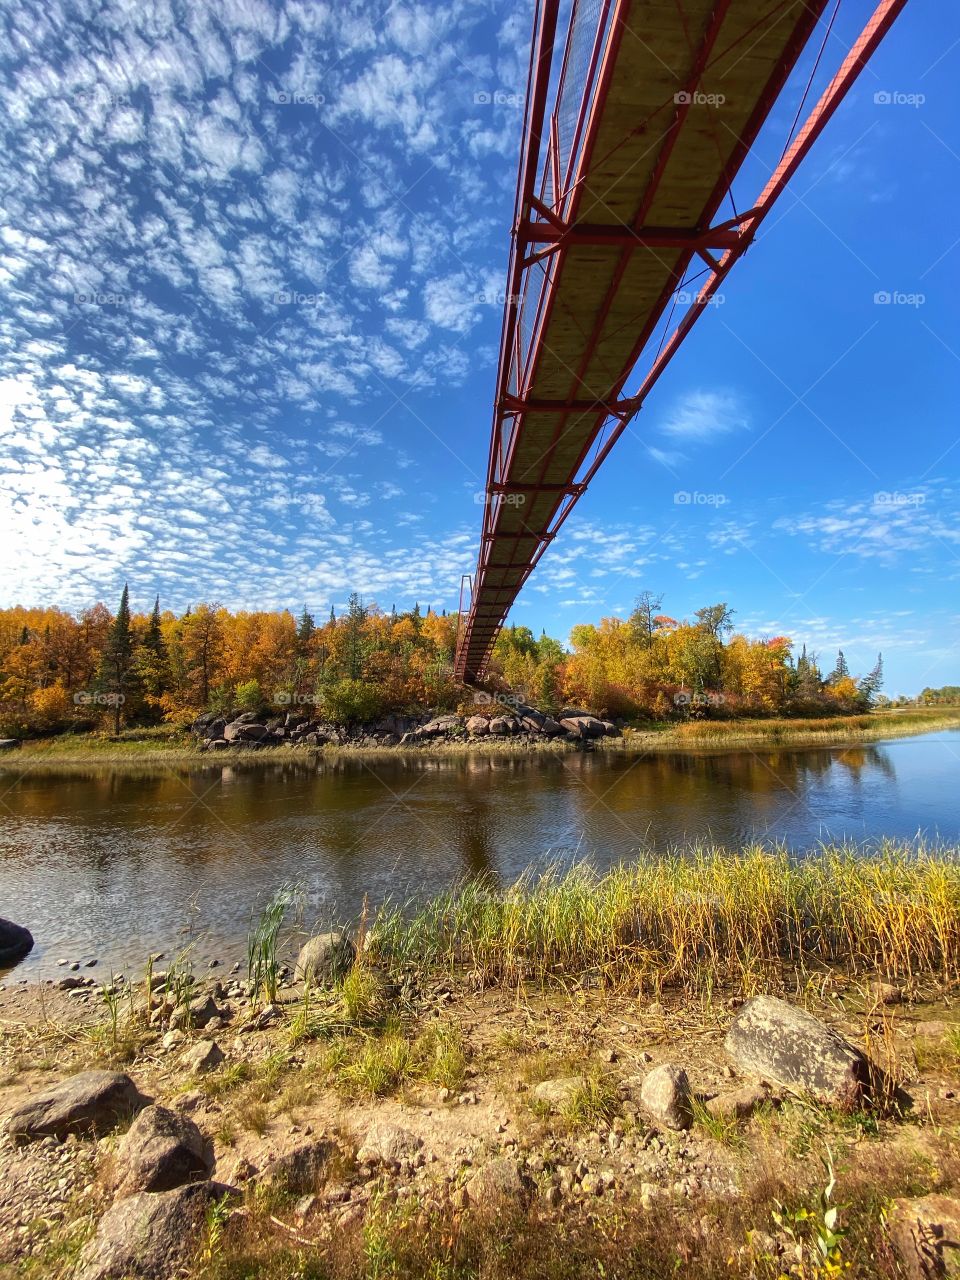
(698, 918)
(263, 961)
(813, 730)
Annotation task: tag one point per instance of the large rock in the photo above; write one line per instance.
(300, 1171)
(255, 733)
(502, 725)
(557, 1093)
(91, 1102)
(9, 744)
(582, 724)
(204, 1056)
(386, 1143)
(497, 1182)
(665, 1093)
(772, 1039)
(740, 1104)
(149, 1236)
(478, 725)
(325, 958)
(161, 1150)
(15, 942)
(926, 1235)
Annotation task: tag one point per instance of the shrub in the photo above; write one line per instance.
(351, 702)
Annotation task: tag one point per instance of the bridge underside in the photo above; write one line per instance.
(655, 106)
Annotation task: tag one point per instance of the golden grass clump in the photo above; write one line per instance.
(699, 916)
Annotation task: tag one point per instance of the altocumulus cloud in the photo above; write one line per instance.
(234, 235)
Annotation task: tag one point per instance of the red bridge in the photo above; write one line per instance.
(632, 137)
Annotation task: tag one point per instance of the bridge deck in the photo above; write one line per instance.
(655, 106)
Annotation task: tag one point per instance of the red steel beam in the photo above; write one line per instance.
(873, 33)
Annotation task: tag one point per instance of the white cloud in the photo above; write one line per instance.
(704, 415)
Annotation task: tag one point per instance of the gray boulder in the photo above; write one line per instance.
(245, 731)
(91, 1102)
(581, 724)
(772, 1039)
(9, 744)
(325, 958)
(478, 725)
(15, 942)
(740, 1104)
(386, 1143)
(503, 725)
(149, 1236)
(162, 1150)
(665, 1093)
(300, 1171)
(557, 1093)
(497, 1182)
(204, 1056)
(215, 728)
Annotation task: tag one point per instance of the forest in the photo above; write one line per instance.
(97, 669)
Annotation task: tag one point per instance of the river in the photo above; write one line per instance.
(110, 864)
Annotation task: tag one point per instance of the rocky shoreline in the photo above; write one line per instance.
(520, 724)
(220, 1113)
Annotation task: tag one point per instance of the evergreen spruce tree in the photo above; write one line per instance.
(116, 673)
(151, 660)
(871, 684)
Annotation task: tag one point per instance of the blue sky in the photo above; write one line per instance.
(252, 261)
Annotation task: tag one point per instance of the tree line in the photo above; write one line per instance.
(60, 670)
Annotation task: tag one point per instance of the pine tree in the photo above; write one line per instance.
(151, 660)
(333, 616)
(116, 661)
(154, 636)
(355, 648)
(841, 671)
(870, 685)
(305, 630)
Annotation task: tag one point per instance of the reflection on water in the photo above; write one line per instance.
(113, 863)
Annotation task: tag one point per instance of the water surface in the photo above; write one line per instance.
(111, 864)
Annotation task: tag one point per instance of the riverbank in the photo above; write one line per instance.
(167, 747)
(568, 1077)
